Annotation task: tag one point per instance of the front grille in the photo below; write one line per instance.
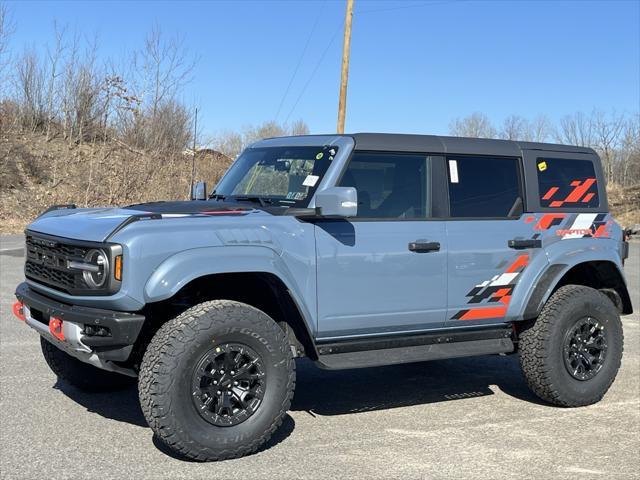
(47, 261)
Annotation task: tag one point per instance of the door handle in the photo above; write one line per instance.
(420, 247)
(522, 244)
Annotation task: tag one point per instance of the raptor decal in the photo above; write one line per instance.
(595, 225)
(581, 225)
(496, 291)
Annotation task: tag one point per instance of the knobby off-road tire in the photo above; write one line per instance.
(544, 344)
(82, 375)
(196, 342)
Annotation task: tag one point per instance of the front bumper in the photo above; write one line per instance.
(122, 328)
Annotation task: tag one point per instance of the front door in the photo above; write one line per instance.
(385, 270)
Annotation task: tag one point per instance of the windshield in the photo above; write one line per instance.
(284, 175)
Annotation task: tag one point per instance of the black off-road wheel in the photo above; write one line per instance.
(572, 352)
(216, 382)
(82, 375)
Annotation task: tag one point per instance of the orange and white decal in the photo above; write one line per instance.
(496, 290)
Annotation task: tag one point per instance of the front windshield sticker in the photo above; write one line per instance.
(319, 156)
(310, 181)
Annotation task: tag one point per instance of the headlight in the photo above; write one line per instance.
(96, 269)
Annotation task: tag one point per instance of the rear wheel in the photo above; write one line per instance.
(82, 375)
(571, 354)
(217, 381)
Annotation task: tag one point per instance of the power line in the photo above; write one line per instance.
(412, 5)
(333, 37)
(304, 50)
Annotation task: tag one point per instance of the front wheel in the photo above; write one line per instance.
(217, 381)
(572, 352)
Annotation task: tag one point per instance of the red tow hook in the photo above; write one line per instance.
(18, 310)
(55, 327)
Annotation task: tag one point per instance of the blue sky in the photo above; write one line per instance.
(415, 65)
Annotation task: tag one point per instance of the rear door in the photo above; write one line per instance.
(385, 270)
(486, 203)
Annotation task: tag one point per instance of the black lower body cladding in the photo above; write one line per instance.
(571, 353)
(217, 381)
(80, 374)
(123, 328)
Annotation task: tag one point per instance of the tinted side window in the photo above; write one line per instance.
(567, 183)
(483, 186)
(389, 185)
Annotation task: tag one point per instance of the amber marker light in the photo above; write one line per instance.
(117, 271)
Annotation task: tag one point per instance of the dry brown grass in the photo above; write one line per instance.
(35, 173)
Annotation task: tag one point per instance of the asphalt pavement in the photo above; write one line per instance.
(464, 418)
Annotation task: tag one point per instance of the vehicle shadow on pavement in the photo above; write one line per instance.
(124, 406)
(340, 392)
(121, 405)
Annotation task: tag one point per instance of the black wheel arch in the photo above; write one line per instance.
(262, 290)
(602, 275)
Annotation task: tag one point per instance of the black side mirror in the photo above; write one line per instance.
(199, 191)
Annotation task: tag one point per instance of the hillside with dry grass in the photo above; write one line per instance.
(36, 173)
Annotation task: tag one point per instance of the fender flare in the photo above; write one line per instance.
(547, 282)
(182, 268)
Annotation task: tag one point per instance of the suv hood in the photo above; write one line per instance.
(98, 224)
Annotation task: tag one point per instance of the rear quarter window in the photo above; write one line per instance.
(567, 183)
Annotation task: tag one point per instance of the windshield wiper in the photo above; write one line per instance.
(254, 199)
(217, 196)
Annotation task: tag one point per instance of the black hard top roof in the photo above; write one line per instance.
(459, 145)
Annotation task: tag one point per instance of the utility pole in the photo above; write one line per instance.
(342, 103)
(193, 160)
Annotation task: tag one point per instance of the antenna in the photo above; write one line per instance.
(193, 160)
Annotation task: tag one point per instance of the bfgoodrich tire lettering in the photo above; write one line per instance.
(82, 375)
(543, 345)
(167, 372)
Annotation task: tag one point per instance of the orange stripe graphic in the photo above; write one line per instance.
(521, 261)
(480, 313)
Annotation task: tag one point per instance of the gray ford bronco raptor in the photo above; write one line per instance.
(352, 250)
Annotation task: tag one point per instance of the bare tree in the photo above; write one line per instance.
(6, 29)
(515, 127)
(166, 67)
(576, 129)
(539, 129)
(607, 131)
(228, 142)
(55, 56)
(630, 152)
(299, 127)
(232, 143)
(162, 68)
(476, 125)
(30, 86)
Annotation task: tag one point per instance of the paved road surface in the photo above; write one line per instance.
(465, 418)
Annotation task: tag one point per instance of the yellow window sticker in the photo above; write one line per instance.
(542, 166)
(319, 156)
